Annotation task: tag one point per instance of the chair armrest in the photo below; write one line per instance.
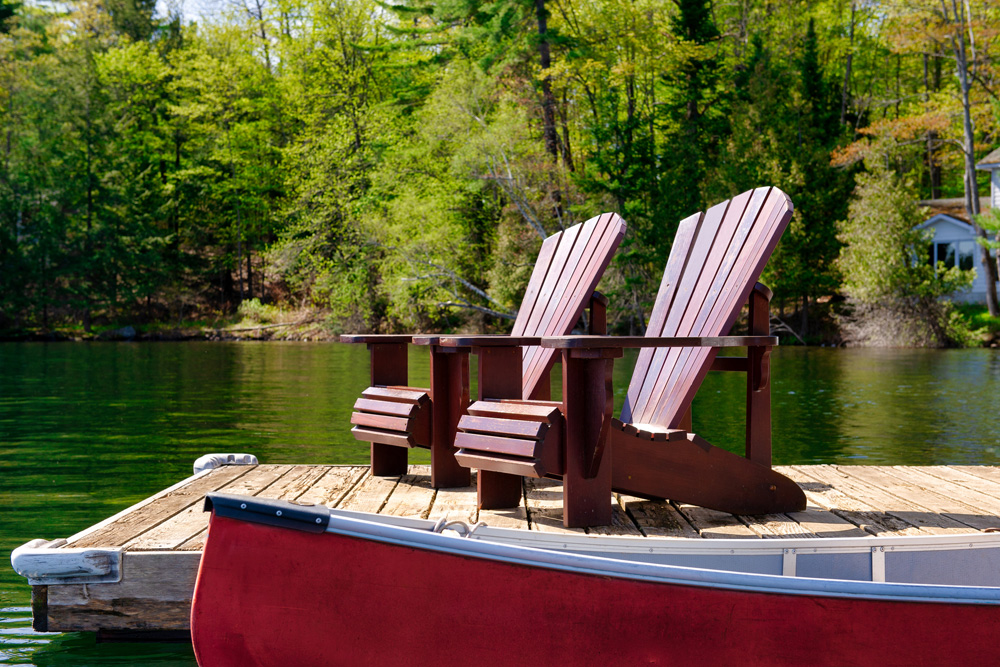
(376, 338)
(617, 342)
(489, 341)
(427, 340)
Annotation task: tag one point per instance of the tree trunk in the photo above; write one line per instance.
(933, 168)
(90, 220)
(847, 70)
(969, 149)
(804, 329)
(548, 99)
(567, 153)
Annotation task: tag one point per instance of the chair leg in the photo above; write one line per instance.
(388, 460)
(450, 399)
(587, 404)
(758, 447)
(497, 490)
(388, 367)
(587, 502)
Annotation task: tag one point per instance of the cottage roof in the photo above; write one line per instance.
(948, 219)
(954, 208)
(990, 162)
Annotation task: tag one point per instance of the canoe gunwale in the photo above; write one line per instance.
(592, 565)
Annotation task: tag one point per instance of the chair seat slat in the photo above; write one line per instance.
(516, 410)
(497, 444)
(384, 422)
(382, 437)
(399, 394)
(393, 408)
(518, 428)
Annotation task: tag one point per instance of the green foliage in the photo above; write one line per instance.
(990, 223)
(252, 310)
(978, 318)
(399, 163)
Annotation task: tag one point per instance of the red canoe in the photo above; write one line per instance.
(282, 584)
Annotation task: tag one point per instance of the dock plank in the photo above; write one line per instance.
(515, 517)
(413, 496)
(154, 595)
(328, 489)
(775, 525)
(145, 515)
(820, 491)
(888, 499)
(371, 494)
(543, 498)
(621, 522)
(821, 523)
(939, 495)
(657, 518)
(981, 493)
(991, 473)
(293, 483)
(457, 504)
(711, 524)
(903, 485)
(332, 487)
(179, 529)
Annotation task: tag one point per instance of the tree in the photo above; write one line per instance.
(692, 112)
(895, 292)
(784, 125)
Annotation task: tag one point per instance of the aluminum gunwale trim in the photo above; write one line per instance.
(651, 572)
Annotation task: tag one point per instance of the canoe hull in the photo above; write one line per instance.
(271, 596)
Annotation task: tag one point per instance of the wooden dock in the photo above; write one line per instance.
(161, 537)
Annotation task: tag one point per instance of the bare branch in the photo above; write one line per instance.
(446, 272)
(494, 313)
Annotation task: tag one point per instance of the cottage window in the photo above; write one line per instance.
(955, 253)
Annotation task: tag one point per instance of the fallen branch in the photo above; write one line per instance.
(781, 327)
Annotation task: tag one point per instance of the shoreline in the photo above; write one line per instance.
(263, 334)
(295, 332)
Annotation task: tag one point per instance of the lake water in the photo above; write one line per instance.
(88, 429)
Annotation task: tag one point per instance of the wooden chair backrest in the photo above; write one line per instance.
(715, 261)
(568, 268)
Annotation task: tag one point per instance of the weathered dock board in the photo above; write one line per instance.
(162, 536)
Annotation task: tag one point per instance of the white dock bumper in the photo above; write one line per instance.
(213, 461)
(43, 563)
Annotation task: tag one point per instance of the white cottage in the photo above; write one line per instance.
(991, 163)
(954, 241)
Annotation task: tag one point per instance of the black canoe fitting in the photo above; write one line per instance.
(281, 513)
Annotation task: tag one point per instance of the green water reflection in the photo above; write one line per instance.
(87, 429)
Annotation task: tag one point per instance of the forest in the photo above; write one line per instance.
(395, 165)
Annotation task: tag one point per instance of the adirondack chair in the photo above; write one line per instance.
(394, 417)
(711, 273)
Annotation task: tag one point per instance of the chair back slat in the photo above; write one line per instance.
(542, 266)
(567, 271)
(714, 263)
